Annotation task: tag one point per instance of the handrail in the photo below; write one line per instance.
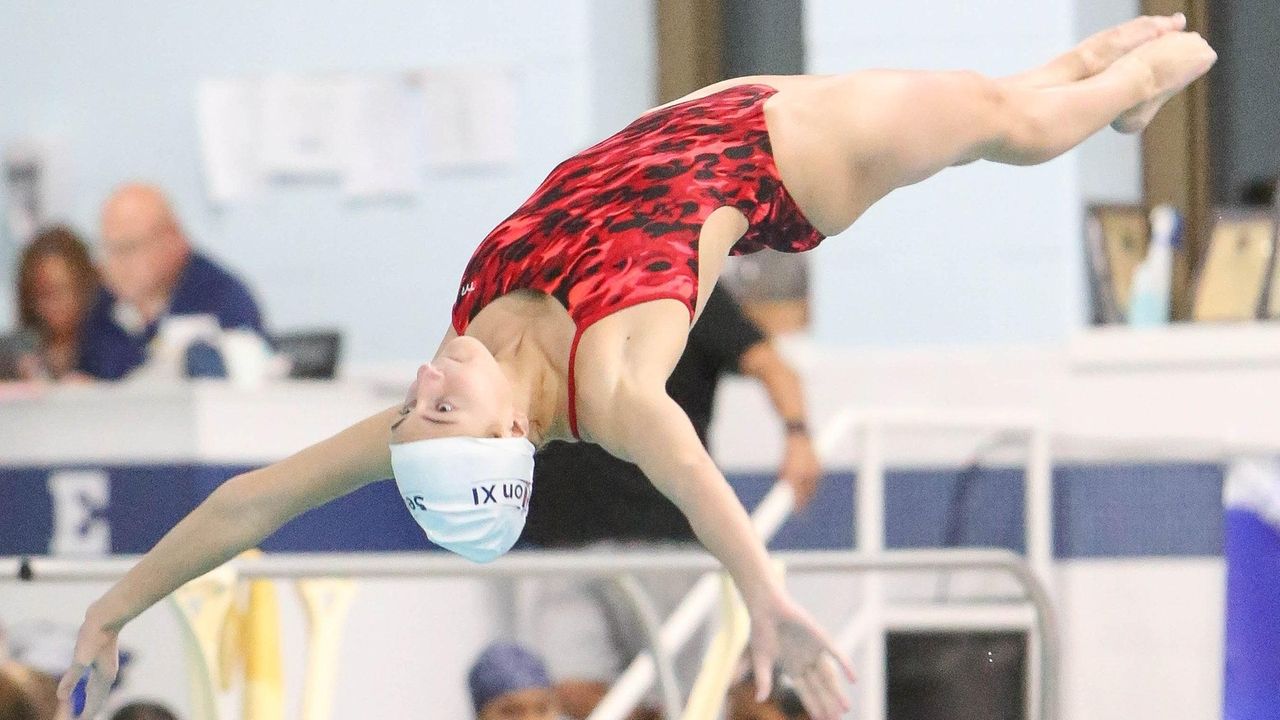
(769, 516)
(539, 563)
(543, 563)
(651, 624)
(871, 427)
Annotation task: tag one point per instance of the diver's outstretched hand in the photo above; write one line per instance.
(783, 633)
(97, 650)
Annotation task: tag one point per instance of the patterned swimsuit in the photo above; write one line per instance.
(617, 224)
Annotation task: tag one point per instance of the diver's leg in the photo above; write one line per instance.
(844, 143)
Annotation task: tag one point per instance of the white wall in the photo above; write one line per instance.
(978, 254)
(1110, 163)
(622, 63)
(1142, 638)
(116, 87)
(994, 258)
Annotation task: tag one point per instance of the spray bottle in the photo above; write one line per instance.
(1153, 280)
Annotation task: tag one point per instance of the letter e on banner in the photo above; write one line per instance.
(80, 524)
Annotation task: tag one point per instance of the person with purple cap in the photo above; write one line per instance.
(508, 682)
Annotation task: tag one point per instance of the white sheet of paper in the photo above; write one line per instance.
(385, 157)
(25, 168)
(469, 116)
(227, 112)
(304, 125)
(36, 173)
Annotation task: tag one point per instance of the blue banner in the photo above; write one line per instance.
(1100, 511)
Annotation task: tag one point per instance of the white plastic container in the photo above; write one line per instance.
(1153, 280)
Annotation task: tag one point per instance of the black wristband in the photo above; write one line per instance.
(797, 427)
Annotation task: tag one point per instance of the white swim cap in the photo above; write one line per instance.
(470, 495)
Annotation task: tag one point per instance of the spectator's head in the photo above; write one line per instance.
(510, 683)
(26, 693)
(56, 283)
(143, 711)
(782, 705)
(144, 248)
(15, 704)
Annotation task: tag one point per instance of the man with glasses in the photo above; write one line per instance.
(152, 274)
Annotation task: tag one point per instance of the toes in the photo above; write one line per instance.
(1153, 26)
(1170, 23)
(1138, 31)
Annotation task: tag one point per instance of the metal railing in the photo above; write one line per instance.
(871, 429)
(561, 563)
(867, 628)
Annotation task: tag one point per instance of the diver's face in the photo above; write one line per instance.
(462, 391)
(530, 704)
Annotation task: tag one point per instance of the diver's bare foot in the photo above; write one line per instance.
(1098, 51)
(1174, 61)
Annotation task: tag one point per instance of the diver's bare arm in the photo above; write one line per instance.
(652, 431)
(246, 509)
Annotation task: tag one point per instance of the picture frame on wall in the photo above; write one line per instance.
(1272, 311)
(1116, 239)
(1273, 290)
(1237, 267)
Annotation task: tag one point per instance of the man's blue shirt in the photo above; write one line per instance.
(109, 351)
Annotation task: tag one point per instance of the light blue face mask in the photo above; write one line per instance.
(470, 495)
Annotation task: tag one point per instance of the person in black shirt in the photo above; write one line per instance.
(585, 497)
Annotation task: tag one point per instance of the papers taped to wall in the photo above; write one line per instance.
(374, 132)
(470, 116)
(228, 111)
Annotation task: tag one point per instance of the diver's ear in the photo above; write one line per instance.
(520, 425)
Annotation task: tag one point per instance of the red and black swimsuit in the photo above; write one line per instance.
(617, 224)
